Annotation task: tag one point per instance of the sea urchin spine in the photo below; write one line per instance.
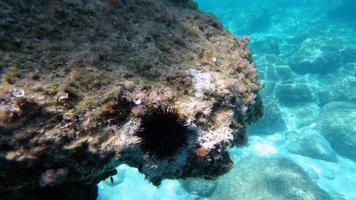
(163, 132)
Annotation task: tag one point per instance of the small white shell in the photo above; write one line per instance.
(63, 97)
(137, 101)
(18, 93)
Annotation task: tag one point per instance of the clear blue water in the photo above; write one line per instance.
(305, 53)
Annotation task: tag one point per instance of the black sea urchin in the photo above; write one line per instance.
(163, 132)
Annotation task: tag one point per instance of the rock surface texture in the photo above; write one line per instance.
(78, 76)
(336, 124)
(268, 178)
(309, 143)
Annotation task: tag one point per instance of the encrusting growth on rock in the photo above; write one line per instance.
(88, 85)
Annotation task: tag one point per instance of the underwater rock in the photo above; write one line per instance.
(201, 187)
(280, 72)
(336, 195)
(193, 197)
(338, 88)
(306, 115)
(271, 122)
(321, 56)
(309, 143)
(268, 178)
(266, 45)
(291, 95)
(336, 124)
(329, 174)
(91, 73)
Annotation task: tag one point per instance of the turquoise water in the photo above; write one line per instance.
(305, 53)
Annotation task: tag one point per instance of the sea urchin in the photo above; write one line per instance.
(163, 132)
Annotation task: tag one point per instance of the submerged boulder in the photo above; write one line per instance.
(268, 178)
(201, 187)
(306, 115)
(291, 95)
(95, 78)
(280, 73)
(268, 45)
(321, 56)
(337, 125)
(339, 88)
(271, 122)
(309, 143)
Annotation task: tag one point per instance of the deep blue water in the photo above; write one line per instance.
(305, 53)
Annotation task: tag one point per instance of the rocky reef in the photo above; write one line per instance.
(80, 79)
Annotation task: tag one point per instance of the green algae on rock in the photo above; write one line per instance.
(91, 70)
